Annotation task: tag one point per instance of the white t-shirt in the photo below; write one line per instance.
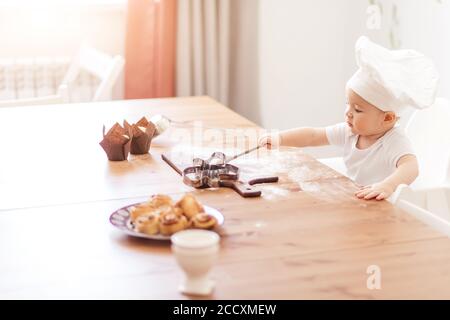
(375, 163)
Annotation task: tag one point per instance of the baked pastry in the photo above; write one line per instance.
(148, 224)
(178, 211)
(159, 200)
(203, 221)
(171, 223)
(161, 215)
(141, 210)
(190, 206)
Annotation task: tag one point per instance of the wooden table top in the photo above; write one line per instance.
(306, 237)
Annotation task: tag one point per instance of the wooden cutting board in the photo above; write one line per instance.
(246, 189)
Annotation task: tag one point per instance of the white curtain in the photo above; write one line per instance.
(203, 48)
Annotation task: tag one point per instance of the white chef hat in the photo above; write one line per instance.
(393, 80)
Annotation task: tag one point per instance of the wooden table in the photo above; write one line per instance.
(307, 237)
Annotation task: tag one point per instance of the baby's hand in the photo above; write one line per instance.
(269, 141)
(379, 191)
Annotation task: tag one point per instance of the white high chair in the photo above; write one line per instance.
(429, 131)
(428, 198)
(102, 66)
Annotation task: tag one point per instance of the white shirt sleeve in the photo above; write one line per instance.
(397, 146)
(337, 134)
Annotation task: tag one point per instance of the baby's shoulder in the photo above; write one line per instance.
(396, 136)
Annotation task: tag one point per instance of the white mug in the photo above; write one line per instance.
(196, 251)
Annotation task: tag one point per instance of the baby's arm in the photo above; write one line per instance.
(406, 172)
(299, 137)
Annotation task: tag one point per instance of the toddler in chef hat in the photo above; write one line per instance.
(377, 154)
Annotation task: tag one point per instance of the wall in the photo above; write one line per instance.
(59, 31)
(244, 59)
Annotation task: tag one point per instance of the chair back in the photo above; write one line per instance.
(102, 66)
(429, 131)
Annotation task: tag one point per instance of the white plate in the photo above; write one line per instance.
(121, 220)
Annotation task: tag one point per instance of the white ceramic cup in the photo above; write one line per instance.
(196, 251)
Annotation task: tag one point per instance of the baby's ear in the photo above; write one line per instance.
(390, 116)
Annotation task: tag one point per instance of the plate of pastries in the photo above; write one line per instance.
(161, 216)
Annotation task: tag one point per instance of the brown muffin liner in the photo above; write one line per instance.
(142, 134)
(117, 142)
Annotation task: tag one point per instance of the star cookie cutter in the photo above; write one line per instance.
(210, 173)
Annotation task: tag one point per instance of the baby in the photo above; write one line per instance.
(377, 154)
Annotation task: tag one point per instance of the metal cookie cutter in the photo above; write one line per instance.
(209, 173)
(216, 172)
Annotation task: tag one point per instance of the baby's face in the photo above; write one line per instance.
(362, 117)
